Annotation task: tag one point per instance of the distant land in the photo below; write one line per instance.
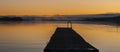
(113, 18)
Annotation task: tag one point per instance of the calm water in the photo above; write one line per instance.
(34, 37)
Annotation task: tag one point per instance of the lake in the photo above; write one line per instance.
(33, 37)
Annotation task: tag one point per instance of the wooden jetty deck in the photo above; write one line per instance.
(67, 40)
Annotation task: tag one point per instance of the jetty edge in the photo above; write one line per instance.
(67, 40)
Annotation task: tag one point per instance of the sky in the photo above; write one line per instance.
(58, 7)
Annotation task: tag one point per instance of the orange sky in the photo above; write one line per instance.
(61, 7)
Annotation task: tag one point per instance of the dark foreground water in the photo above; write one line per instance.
(24, 37)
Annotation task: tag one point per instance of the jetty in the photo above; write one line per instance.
(67, 40)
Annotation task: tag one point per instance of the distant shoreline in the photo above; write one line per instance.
(86, 20)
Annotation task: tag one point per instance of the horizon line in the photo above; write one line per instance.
(62, 14)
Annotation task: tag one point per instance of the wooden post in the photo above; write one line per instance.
(69, 24)
(117, 24)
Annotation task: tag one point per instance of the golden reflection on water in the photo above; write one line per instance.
(34, 37)
(25, 38)
(105, 38)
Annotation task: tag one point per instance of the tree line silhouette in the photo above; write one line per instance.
(115, 20)
(6, 18)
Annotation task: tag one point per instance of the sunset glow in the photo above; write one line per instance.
(61, 7)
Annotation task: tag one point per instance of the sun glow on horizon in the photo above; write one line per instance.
(60, 7)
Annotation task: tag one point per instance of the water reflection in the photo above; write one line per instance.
(105, 38)
(25, 38)
(33, 37)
